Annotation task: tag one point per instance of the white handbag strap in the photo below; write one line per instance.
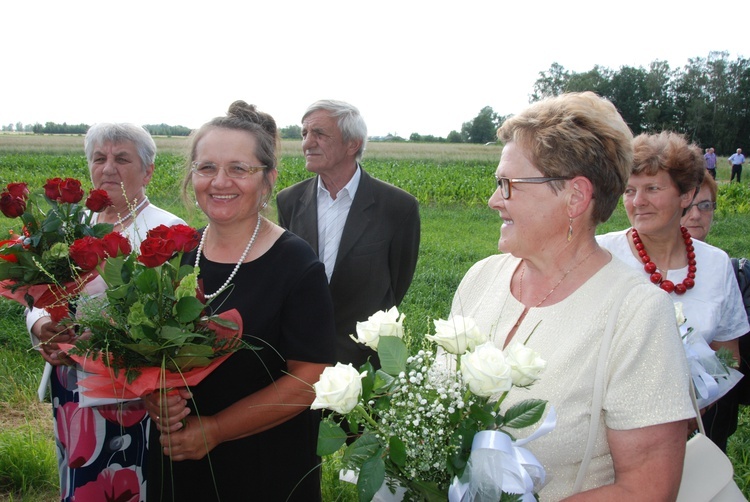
(697, 409)
(598, 397)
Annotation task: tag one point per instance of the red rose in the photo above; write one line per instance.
(52, 188)
(71, 191)
(116, 244)
(185, 238)
(87, 252)
(12, 206)
(20, 190)
(160, 232)
(98, 200)
(155, 252)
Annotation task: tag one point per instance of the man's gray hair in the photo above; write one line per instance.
(350, 121)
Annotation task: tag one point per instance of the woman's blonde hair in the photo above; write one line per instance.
(577, 134)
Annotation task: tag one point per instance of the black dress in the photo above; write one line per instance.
(286, 309)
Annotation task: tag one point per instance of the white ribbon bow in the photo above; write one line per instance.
(711, 379)
(497, 464)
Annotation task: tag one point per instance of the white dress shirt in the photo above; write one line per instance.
(332, 215)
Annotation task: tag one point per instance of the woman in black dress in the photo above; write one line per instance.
(248, 432)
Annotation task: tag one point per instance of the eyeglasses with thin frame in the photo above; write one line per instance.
(705, 206)
(236, 170)
(505, 184)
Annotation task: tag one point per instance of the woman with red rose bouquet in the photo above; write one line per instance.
(247, 427)
(102, 445)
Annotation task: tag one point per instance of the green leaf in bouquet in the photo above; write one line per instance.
(331, 437)
(118, 292)
(188, 309)
(175, 335)
(393, 354)
(366, 446)
(147, 281)
(185, 270)
(368, 381)
(462, 438)
(371, 477)
(100, 229)
(397, 451)
(226, 323)
(112, 273)
(383, 382)
(52, 223)
(482, 415)
(191, 356)
(382, 403)
(525, 413)
(138, 316)
(144, 348)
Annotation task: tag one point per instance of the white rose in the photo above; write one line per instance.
(457, 335)
(485, 370)
(379, 324)
(338, 389)
(525, 364)
(678, 314)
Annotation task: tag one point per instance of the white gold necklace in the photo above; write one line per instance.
(236, 267)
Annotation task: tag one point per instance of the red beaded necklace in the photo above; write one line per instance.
(656, 277)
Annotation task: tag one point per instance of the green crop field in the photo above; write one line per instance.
(452, 184)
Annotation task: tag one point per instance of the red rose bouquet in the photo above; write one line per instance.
(36, 268)
(150, 329)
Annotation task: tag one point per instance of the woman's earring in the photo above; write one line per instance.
(265, 204)
(570, 230)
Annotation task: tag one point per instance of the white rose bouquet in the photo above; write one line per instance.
(415, 421)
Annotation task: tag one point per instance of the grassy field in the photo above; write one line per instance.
(452, 183)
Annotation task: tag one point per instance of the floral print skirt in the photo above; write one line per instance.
(101, 450)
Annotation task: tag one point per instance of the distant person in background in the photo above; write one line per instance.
(736, 161)
(720, 420)
(365, 231)
(102, 449)
(710, 157)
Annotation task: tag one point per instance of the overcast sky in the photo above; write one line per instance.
(409, 65)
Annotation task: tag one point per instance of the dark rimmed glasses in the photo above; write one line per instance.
(236, 170)
(705, 206)
(505, 184)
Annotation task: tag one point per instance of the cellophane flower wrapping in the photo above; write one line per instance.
(712, 373)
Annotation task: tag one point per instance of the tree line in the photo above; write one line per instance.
(65, 128)
(708, 100)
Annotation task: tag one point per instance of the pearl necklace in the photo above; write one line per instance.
(133, 211)
(236, 267)
(656, 277)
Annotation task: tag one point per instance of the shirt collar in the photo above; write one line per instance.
(351, 187)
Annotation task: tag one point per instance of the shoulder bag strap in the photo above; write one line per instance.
(598, 398)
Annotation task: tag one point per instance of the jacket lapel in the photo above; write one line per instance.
(359, 216)
(307, 227)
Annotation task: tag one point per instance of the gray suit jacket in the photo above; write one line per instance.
(376, 258)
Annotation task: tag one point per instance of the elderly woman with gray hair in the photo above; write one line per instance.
(102, 446)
